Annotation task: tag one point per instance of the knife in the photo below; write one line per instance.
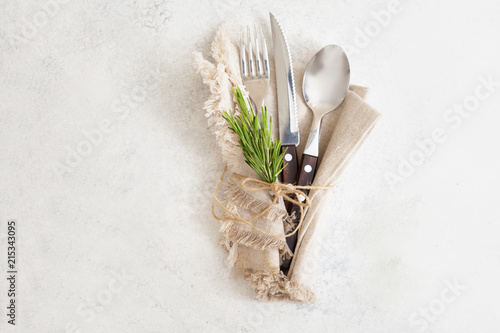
(287, 117)
(287, 106)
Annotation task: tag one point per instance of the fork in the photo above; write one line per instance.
(255, 75)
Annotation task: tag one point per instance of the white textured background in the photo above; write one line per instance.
(135, 202)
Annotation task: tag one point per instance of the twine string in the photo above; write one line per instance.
(287, 192)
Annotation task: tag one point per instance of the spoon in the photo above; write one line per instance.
(325, 86)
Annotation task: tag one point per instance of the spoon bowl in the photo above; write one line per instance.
(325, 86)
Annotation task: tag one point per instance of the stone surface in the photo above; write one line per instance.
(108, 167)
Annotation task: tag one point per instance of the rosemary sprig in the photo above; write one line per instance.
(256, 139)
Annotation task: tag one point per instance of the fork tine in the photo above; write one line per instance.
(265, 57)
(250, 53)
(243, 57)
(258, 62)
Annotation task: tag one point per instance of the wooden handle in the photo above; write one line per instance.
(307, 170)
(291, 164)
(289, 174)
(306, 177)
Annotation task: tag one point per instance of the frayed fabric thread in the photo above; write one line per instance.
(276, 286)
(231, 230)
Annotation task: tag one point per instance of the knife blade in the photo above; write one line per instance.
(287, 106)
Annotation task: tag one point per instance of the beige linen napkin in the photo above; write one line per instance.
(257, 256)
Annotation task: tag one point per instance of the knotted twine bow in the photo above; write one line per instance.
(288, 192)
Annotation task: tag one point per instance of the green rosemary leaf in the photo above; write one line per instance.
(256, 138)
